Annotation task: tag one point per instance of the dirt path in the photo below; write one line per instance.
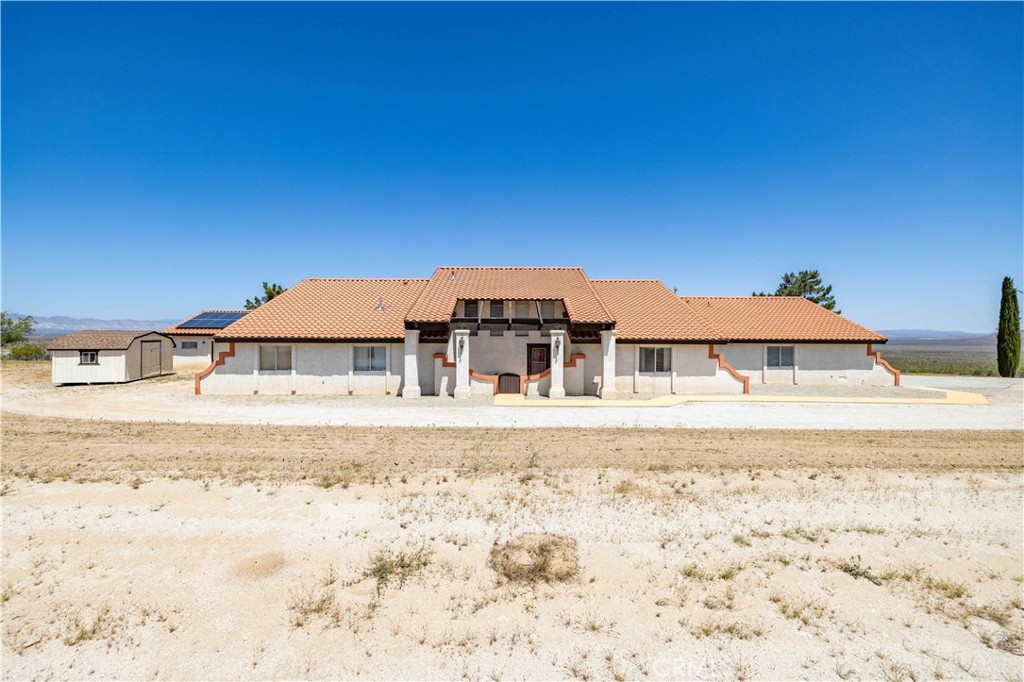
(49, 448)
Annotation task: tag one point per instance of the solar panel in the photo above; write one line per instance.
(212, 320)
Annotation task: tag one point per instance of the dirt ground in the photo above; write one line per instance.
(202, 551)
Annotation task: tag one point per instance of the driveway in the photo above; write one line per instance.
(171, 399)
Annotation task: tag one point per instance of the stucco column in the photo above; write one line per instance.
(608, 363)
(411, 372)
(557, 389)
(461, 350)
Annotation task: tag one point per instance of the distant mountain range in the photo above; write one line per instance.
(60, 324)
(934, 339)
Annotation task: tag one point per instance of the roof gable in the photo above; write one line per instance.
(99, 339)
(450, 284)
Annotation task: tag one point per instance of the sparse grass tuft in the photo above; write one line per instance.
(386, 566)
(857, 571)
(536, 557)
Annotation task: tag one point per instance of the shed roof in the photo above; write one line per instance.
(450, 284)
(200, 331)
(100, 339)
(646, 310)
(332, 309)
(777, 318)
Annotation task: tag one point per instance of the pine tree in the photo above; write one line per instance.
(1008, 336)
(806, 283)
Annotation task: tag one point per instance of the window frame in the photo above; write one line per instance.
(277, 369)
(465, 309)
(501, 307)
(665, 352)
(780, 347)
(95, 357)
(370, 367)
(515, 310)
(553, 308)
(190, 345)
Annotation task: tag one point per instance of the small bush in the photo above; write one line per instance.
(28, 351)
(536, 557)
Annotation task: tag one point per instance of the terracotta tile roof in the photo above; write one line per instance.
(777, 318)
(101, 339)
(330, 309)
(209, 331)
(569, 285)
(646, 310)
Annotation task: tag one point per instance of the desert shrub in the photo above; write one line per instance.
(28, 351)
(387, 565)
(536, 557)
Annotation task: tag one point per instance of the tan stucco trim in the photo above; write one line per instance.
(889, 368)
(722, 364)
(224, 355)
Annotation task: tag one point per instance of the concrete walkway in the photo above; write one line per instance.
(944, 397)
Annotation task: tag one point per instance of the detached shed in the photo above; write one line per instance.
(105, 357)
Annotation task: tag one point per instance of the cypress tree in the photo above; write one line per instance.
(1008, 337)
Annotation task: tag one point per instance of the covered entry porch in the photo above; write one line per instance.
(534, 363)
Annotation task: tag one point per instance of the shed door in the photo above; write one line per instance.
(151, 358)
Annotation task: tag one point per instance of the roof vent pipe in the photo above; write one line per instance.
(380, 304)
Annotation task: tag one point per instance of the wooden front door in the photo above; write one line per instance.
(537, 358)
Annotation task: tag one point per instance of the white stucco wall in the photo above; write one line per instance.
(815, 363)
(65, 367)
(692, 371)
(192, 359)
(317, 368)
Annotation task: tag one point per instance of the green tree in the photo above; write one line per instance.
(1008, 336)
(269, 291)
(12, 331)
(806, 283)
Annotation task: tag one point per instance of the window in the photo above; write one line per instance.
(523, 309)
(88, 357)
(371, 358)
(497, 309)
(472, 308)
(189, 345)
(780, 356)
(547, 310)
(275, 358)
(497, 332)
(655, 359)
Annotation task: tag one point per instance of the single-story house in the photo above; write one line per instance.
(534, 331)
(193, 337)
(103, 357)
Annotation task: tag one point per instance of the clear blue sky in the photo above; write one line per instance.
(161, 158)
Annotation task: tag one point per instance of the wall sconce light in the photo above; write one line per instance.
(558, 345)
(462, 344)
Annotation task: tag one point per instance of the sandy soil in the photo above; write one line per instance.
(732, 575)
(102, 450)
(224, 551)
